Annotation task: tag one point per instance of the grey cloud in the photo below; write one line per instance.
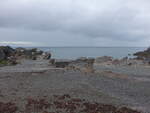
(118, 25)
(112, 19)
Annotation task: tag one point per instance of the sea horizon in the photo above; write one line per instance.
(76, 52)
(78, 46)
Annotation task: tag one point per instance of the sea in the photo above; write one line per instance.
(76, 52)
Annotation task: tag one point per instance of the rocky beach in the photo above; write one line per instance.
(33, 82)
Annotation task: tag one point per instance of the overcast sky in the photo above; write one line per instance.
(75, 22)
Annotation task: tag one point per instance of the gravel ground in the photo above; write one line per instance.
(128, 83)
(120, 86)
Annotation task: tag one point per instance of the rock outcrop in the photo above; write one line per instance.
(2, 55)
(28, 53)
(47, 56)
(5, 52)
(103, 59)
(82, 64)
(143, 54)
(10, 55)
(85, 66)
(7, 56)
(61, 63)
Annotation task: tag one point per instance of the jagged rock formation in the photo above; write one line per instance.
(28, 53)
(5, 52)
(10, 55)
(143, 54)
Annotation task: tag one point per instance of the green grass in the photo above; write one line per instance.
(4, 62)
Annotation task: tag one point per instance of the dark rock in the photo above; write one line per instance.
(34, 58)
(47, 55)
(2, 55)
(12, 60)
(5, 52)
(81, 59)
(143, 54)
(90, 61)
(20, 49)
(52, 61)
(7, 56)
(61, 63)
(82, 64)
(28, 53)
(84, 60)
(103, 59)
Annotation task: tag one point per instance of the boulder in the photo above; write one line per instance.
(84, 60)
(82, 64)
(143, 54)
(61, 63)
(52, 61)
(47, 56)
(2, 55)
(103, 59)
(90, 61)
(81, 59)
(7, 56)
(28, 53)
(20, 49)
(12, 60)
(116, 62)
(39, 52)
(5, 52)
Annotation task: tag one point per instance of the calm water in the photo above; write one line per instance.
(75, 52)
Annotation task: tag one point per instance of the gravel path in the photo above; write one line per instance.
(38, 79)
